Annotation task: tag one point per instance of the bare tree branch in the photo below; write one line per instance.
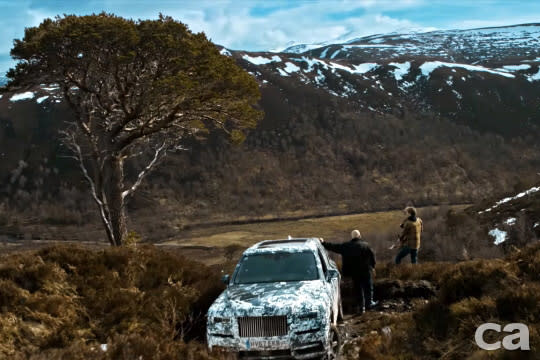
(158, 153)
(72, 143)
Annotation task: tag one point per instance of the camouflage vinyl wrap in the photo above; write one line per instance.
(310, 307)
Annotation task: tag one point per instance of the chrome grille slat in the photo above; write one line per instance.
(262, 326)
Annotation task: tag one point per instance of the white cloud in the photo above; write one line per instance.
(264, 25)
(236, 26)
(13, 27)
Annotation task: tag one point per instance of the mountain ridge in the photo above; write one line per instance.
(314, 46)
(356, 132)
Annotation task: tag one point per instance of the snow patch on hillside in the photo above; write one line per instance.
(334, 54)
(498, 235)
(348, 90)
(368, 46)
(357, 69)
(261, 60)
(458, 95)
(50, 87)
(42, 99)
(290, 67)
(364, 68)
(429, 66)
(22, 96)
(320, 78)
(517, 67)
(533, 60)
(401, 70)
(225, 52)
(282, 72)
(508, 199)
(323, 54)
(510, 221)
(534, 77)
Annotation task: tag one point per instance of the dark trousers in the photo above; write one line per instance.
(363, 290)
(404, 251)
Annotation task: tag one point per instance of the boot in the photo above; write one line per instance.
(372, 304)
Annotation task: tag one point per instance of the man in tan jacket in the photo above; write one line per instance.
(410, 236)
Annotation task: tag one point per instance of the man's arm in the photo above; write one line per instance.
(372, 261)
(403, 232)
(337, 248)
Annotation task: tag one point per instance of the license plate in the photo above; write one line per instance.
(257, 344)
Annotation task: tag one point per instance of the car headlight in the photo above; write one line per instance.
(221, 320)
(220, 326)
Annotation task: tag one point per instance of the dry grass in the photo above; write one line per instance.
(379, 228)
(471, 293)
(63, 302)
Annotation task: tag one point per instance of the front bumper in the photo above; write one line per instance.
(299, 347)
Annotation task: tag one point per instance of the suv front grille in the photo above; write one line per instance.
(262, 326)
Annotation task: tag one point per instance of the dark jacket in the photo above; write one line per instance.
(358, 258)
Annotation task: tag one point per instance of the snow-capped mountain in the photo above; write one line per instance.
(475, 45)
(345, 116)
(448, 72)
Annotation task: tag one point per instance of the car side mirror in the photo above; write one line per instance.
(226, 279)
(332, 274)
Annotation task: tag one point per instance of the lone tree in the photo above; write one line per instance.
(137, 88)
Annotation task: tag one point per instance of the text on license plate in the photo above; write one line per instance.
(267, 344)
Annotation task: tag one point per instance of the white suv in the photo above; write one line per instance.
(282, 301)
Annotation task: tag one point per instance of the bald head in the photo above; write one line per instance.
(355, 234)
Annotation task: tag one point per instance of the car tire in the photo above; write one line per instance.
(340, 310)
(334, 346)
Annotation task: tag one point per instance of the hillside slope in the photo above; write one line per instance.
(348, 127)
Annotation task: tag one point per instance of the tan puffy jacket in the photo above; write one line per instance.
(412, 231)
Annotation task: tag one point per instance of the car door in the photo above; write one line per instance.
(332, 284)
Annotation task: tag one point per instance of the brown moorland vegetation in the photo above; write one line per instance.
(65, 302)
(470, 293)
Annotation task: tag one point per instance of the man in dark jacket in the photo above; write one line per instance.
(358, 264)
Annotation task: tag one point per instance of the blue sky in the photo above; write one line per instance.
(264, 25)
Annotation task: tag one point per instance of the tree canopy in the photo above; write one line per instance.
(137, 77)
(136, 87)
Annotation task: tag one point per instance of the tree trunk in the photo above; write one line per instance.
(107, 230)
(113, 186)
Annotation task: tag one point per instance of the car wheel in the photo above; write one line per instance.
(340, 311)
(334, 344)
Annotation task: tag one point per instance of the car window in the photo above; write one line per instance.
(323, 262)
(277, 267)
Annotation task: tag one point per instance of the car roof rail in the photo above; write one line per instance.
(267, 243)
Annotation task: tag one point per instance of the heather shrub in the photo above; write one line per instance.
(142, 301)
(430, 271)
(470, 293)
(475, 278)
(520, 303)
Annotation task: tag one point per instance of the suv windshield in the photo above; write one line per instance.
(276, 267)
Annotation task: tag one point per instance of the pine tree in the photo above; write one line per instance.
(137, 88)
